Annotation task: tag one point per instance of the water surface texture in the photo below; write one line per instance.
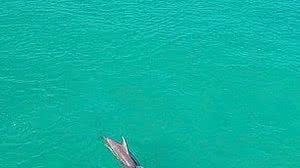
(198, 84)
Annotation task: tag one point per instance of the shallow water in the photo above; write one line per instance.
(188, 83)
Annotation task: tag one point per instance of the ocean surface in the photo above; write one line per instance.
(190, 84)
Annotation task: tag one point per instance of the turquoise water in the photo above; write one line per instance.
(208, 84)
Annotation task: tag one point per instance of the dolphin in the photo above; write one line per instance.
(122, 153)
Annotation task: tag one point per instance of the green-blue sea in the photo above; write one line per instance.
(189, 84)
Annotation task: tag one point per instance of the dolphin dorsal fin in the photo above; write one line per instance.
(124, 144)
